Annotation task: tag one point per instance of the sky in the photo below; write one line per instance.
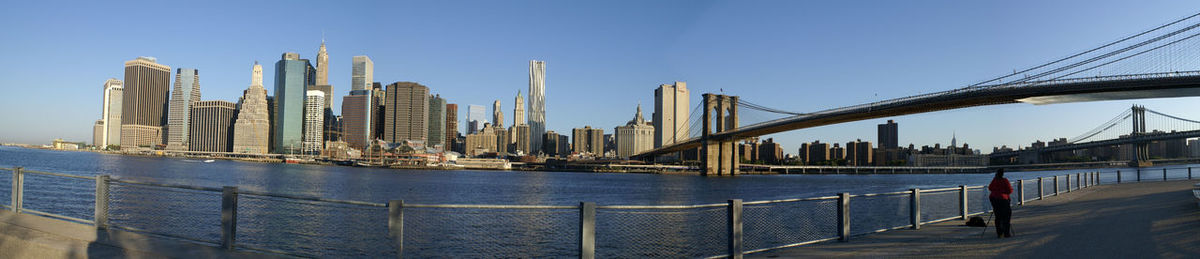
(603, 58)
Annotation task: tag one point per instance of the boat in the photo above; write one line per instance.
(292, 160)
(209, 161)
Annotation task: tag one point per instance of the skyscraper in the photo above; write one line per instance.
(187, 91)
(437, 122)
(587, 140)
(636, 136)
(109, 132)
(497, 115)
(253, 126)
(537, 103)
(356, 119)
(519, 110)
(406, 113)
(475, 119)
(671, 111)
(362, 73)
(330, 129)
(212, 126)
(888, 137)
(451, 125)
(292, 78)
(314, 121)
(144, 102)
(322, 66)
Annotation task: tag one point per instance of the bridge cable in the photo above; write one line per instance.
(1106, 55)
(1127, 57)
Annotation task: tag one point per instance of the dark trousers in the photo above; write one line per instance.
(1003, 211)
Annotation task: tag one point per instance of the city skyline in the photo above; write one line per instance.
(568, 101)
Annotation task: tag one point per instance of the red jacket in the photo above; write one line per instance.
(1000, 188)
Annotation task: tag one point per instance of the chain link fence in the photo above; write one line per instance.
(870, 213)
(191, 215)
(694, 231)
(776, 224)
(6, 184)
(941, 204)
(491, 232)
(312, 228)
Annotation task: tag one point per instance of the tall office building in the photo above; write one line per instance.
(451, 126)
(212, 125)
(322, 66)
(314, 120)
(292, 78)
(356, 119)
(635, 137)
(888, 137)
(377, 110)
(519, 110)
(406, 112)
(109, 125)
(187, 91)
(437, 122)
(362, 73)
(671, 110)
(330, 129)
(587, 140)
(144, 102)
(497, 114)
(537, 103)
(475, 119)
(252, 129)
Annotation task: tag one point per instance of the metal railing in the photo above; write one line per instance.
(309, 226)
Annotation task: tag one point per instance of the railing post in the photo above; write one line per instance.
(963, 201)
(1020, 192)
(587, 230)
(396, 225)
(101, 210)
(1189, 173)
(1139, 174)
(1068, 176)
(844, 216)
(1164, 174)
(1078, 181)
(1055, 185)
(18, 189)
(1118, 176)
(1041, 188)
(735, 228)
(915, 208)
(229, 201)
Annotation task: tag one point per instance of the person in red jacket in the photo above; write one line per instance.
(1001, 205)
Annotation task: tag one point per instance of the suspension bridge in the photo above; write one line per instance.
(1153, 63)
(1116, 133)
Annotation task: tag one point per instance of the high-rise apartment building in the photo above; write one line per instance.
(888, 137)
(451, 126)
(437, 122)
(406, 113)
(859, 153)
(521, 138)
(108, 130)
(362, 73)
(475, 118)
(770, 152)
(314, 121)
(587, 141)
(292, 78)
(635, 137)
(187, 91)
(671, 111)
(212, 125)
(554, 144)
(144, 102)
(252, 129)
(519, 110)
(356, 119)
(537, 103)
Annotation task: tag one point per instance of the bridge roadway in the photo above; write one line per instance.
(1130, 220)
(1105, 143)
(31, 236)
(1171, 84)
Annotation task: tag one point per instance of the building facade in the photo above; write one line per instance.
(362, 73)
(587, 141)
(186, 92)
(635, 137)
(554, 144)
(147, 86)
(451, 126)
(407, 111)
(672, 106)
(475, 118)
(356, 119)
(859, 153)
(888, 135)
(437, 122)
(292, 78)
(314, 120)
(251, 131)
(212, 126)
(109, 125)
(520, 139)
(480, 143)
(519, 110)
(537, 103)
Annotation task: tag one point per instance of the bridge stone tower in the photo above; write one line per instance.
(1141, 150)
(719, 155)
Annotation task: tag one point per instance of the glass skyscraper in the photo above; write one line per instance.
(537, 103)
(292, 77)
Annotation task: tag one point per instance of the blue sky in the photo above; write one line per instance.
(603, 57)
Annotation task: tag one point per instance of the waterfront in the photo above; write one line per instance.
(314, 231)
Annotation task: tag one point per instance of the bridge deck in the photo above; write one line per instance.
(29, 236)
(1136, 220)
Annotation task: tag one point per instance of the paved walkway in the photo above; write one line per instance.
(1132, 220)
(30, 236)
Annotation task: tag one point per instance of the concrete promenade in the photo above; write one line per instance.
(1130, 220)
(30, 236)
